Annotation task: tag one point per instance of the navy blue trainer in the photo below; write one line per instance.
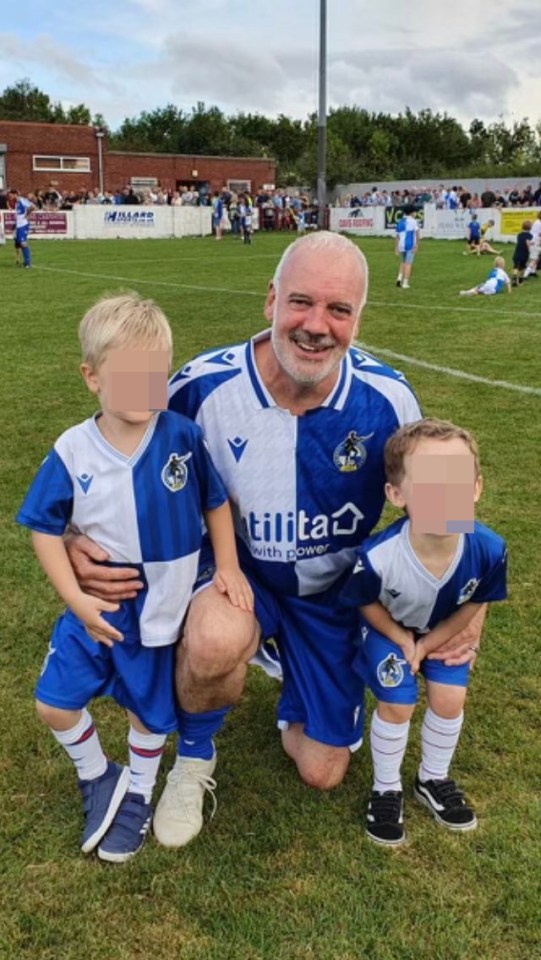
(127, 834)
(101, 800)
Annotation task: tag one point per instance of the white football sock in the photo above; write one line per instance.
(439, 738)
(82, 745)
(146, 751)
(388, 742)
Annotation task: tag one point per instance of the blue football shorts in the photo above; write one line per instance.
(315, 638)
(407, 256)
(21, 234)
(141, 679)
(383, 668)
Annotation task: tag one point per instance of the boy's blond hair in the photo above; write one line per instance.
(123, 320)
(499, 262)
(406, 438)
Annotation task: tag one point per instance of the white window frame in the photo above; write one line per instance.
(39, 163)
(143, 183)
(239, 186)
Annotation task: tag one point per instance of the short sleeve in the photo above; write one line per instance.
(48, 505)
(493, 585)
(212, 490)
(363, 585)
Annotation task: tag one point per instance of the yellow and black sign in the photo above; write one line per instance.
(395, 213)
(512, 220)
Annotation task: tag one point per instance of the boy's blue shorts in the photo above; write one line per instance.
(21, 234)
(141, 679)
(382, 666)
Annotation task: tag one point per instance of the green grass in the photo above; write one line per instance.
(282, 872)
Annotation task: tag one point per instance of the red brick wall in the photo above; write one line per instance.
(24, 140)
(169, 169)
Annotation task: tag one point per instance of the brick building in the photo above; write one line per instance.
(75, 158)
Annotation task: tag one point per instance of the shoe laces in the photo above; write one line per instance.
(189, 784)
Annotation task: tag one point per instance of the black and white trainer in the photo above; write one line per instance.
(446, 803)
(385, 817)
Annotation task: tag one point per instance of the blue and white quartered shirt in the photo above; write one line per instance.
(389, 570)
(144, 510)
(305, 490)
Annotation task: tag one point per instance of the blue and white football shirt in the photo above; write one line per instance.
(21, 212)
(407, 234)
(389, 570)
(497, 279)
(306, 490)
(144, 510)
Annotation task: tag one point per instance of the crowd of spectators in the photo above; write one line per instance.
(278, 209)
(445, 197)
(281, 209)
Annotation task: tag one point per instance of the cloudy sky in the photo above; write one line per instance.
(471, 58)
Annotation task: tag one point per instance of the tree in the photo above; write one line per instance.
(340, 163)
(22, 101)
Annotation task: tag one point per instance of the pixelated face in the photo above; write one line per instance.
(131, 383)
(439, 488)
(315, 313)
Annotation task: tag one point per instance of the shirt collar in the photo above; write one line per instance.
(335, 399)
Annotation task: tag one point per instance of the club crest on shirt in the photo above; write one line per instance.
(468, 591)
(390, 671)
(351, 454)
(175, 473)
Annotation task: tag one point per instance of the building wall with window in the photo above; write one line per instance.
(171, 170)
(37, 155)
(26, 144)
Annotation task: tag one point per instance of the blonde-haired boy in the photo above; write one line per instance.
(497, 280)
(138, 480)
(418, 583)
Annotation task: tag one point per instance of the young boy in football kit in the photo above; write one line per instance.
(417, 583)
(496, 281)
(138, 479)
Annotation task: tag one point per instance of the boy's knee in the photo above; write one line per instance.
(51, 716)
(447, 701)
(395, 712)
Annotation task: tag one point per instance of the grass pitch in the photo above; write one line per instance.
(282, 872)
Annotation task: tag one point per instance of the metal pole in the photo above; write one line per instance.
(99, 137)
(322, 117)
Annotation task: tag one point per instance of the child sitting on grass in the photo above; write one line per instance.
(496, 281)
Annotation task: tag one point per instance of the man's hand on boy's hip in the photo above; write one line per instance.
(107, 583)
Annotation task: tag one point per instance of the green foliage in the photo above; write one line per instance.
(22, 101)
(360, 145)
(282, 872)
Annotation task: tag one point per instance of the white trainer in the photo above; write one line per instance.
(178, 817)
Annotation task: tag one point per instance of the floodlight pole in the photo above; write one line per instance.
(99, 136)
(322, 117)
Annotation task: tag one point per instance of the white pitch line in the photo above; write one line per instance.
(158, 283)
(449, 371)
(438, 307)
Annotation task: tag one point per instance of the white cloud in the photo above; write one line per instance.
(469, 60)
